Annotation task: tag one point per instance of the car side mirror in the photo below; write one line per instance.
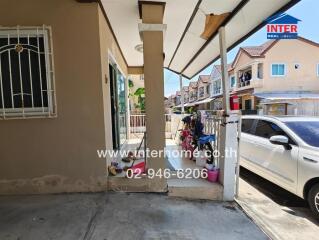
(280, 140)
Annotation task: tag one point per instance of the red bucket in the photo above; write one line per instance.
(212, 175)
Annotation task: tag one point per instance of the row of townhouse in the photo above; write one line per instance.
(196, 93)
(279, 77)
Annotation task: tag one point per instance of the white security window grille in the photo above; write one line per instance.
(27, 86)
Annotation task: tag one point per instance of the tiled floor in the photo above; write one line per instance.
(175, 162)
(131, 145)
(178, 162)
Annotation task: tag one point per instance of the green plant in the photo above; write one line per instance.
(140, 93)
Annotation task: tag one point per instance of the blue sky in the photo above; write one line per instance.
(305, 10)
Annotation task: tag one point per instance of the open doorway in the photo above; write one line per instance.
(118, 93)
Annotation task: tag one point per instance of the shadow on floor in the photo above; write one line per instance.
(295, 205)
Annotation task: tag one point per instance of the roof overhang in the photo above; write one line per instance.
(187, 50)
(286, 96)
(206, 100)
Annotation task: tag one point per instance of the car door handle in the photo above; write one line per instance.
(310, 160)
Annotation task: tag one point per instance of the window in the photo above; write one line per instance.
(278, 69)
(318, 69)
(208, 89)
(260, 73)
(266, 129)
(26, 73)
(247, 125)
(201, 92)
(217, 87)
(308, 131)
(232, 81)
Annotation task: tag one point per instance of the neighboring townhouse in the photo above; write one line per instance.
(203, 95)
(247, 70)
(276, 79)
(273, 79)
(171, 100)
(167, 103)
(216, 88)
(203, 87)
(178, 98)
(186, 94)
(196, 93)
(193, 91)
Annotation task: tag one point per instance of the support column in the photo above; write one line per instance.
(182, 92)
(152, 34)
(223, 58)
(228, 144)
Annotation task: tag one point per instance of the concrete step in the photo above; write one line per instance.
(195, 189)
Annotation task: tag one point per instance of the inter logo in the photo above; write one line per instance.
(282, 26)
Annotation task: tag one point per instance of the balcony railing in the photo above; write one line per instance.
(253, 83)
(245, 83)
(217, 91)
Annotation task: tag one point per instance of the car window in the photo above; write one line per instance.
(268, 129)
(247, 125)
(307, 131)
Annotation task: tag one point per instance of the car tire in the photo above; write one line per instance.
(313, 200)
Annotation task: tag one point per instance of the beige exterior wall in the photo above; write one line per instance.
(290, 52)
(108, 51)
(59, 155)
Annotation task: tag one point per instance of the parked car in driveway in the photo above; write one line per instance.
(285, 151)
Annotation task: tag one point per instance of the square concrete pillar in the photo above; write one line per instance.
(228, 140)
(152, 34)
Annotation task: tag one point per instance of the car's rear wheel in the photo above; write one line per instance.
(313, 199)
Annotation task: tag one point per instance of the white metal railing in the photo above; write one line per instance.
(212, 125)
(217, 91)
(138, 123)
(168, 123)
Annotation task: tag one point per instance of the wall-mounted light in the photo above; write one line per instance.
(139, 48)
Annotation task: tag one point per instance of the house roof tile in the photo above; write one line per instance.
(185, 88)
(219, 67)
(204, 78)
(193, 84)
(258, 51)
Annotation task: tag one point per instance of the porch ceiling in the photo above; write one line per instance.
(186, 52)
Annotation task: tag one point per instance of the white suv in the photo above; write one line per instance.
(285, 151)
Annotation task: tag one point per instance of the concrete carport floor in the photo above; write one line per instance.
(110, 215)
